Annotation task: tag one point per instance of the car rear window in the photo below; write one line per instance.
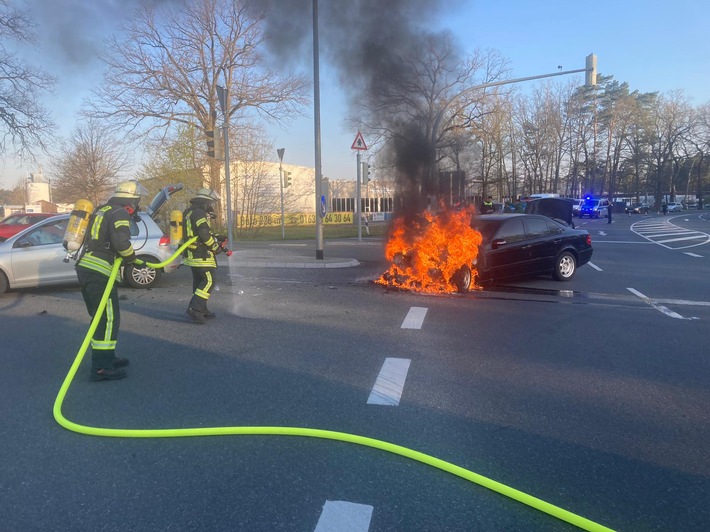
(535, 227)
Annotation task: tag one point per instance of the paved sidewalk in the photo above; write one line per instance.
(285, 257)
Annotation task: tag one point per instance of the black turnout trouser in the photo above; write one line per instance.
(103, 343)
(202, 285)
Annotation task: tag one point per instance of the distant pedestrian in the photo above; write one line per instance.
(608, 211)
(664, 208)
(487, 207)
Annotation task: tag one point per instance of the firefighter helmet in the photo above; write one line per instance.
(129, 189)
(207, 194)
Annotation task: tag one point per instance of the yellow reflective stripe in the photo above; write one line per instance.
(96, 227)
(121, 223)
(109, 323)
(200, 263)
(93, 263)
(200, 222)
(127, 252)
(210, 242)
(103, 346)
(204, 292)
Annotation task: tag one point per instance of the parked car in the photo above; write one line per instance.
(594, 208)
(576, 206)
(674, 206)
(15, 223)
(35, 256)
(523, 245)
(637, 208)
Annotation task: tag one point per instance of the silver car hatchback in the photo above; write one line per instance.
(35, 256)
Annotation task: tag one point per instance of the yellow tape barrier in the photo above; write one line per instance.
(512, 493)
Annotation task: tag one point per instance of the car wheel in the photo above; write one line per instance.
(565, 266)
(142, 276)
(3, 283)
(462, 278)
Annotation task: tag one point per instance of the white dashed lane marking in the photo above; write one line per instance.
(660, 308)
(390, 382)
(414, 318)
(344, 516)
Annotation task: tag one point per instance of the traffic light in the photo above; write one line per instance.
(218, 144)
(210, 143)
(287, 179)
(365, 173)
(590, 74)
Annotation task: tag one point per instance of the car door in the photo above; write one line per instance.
(37, 256)
(508, 253)
(543, 241)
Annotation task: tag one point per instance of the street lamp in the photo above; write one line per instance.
(280, 153)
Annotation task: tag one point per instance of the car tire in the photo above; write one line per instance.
(565, 266)
(462, 278)
(142, 276)
(4, 285)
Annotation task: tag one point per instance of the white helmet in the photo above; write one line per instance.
(129, 189)
(207, 194)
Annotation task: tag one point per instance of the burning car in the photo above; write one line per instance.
(449, 250)
(432, 253)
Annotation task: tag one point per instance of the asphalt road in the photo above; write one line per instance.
(590, 395)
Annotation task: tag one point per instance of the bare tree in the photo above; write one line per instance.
(89, 165)
(166, 68)
(25, 126)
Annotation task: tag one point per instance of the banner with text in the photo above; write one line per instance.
(301, 218)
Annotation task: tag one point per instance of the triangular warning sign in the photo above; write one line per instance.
(359, 142)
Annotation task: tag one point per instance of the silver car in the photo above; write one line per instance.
(35, 257)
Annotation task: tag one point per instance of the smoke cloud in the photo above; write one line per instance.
(364, 40)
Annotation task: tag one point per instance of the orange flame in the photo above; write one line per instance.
(426, 255)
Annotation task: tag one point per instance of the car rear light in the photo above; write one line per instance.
(164, 241)
(589, 240)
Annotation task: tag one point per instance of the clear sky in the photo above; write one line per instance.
(652, 45)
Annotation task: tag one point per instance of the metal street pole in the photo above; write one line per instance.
(280, 153)
(223, 99)
(358, 195)
(316, 133)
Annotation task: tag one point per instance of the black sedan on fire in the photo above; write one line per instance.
(523, 245)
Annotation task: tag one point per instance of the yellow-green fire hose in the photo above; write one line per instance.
(512, 493)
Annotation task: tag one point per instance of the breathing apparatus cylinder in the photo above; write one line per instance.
(77, 226)
(175, 228)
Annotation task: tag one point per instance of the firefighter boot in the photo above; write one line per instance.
(195, 315)
(120, 362)
(102, 368)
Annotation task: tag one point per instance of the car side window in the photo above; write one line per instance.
(536, 227)
(511, 231)
(133, 226)
(48, 234)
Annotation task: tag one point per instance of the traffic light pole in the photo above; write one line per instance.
(223, 98)
(316, 133)
(280, 153)
(358, 201)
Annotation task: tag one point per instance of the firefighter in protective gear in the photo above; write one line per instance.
(108, 237)
(200, 256)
